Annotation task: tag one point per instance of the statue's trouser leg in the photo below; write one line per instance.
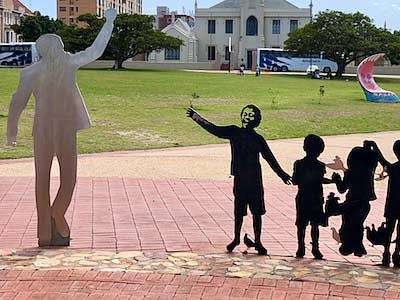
(238, 227)
(43, 152)
(390, 223)
(301, 233)
(315, 236)
(257, 225)
(66, 152)
(397, 250)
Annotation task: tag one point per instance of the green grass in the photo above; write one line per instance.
(146, 109)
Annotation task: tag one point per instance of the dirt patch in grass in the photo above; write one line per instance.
(145, 136)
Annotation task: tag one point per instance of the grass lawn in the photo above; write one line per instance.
(146, 109)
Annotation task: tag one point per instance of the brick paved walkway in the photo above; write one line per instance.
(80, 285)
(172, 215)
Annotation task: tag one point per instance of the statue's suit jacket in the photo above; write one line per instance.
(53, 82)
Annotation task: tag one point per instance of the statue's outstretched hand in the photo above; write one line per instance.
(336, 177)
(337, 164)
(286, 178)
(190, 112)
(110, 14)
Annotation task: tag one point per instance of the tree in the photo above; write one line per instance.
(134, 35)
(32, 27)
(344, 38)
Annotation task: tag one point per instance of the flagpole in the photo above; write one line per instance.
(311, 20)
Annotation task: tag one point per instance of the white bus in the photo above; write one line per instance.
(281, 60)
(18, 54)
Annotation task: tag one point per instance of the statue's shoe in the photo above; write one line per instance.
(232, 245)
(248, 241)
(56, 238)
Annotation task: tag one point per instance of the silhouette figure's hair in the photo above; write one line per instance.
(313, 145)
(361, 159)
(257, 117)
(49, 45)
(396, 148)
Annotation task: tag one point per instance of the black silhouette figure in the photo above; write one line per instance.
(309, 175)
(358, 181)
(392, 206)
(246, 147)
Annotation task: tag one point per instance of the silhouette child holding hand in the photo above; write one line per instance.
(392, 207)
(246, 146)
(309, 175)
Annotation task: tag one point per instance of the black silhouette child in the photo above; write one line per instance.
(359, 182)
(309, 175)
(246, 146)
(392, 207)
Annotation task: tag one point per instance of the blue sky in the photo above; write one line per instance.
(378, 10)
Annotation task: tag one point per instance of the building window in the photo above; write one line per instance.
(211, 26)
(77, 9)
(172, 54)
(71, 20)
(276, 26)
(227, 54)
(252, 26)
(294, 24)
(211, 52)
(228, 26)
(63, 8)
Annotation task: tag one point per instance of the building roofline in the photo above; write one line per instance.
(17, 4)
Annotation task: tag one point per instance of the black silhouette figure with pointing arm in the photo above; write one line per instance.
(246, 147)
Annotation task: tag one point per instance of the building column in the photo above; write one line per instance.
(1, 26)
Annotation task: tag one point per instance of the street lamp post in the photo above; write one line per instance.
(311, 20)
(230, 52)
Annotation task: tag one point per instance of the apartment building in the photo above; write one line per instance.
(10, 13)
(69, 10)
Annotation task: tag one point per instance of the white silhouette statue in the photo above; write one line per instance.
(59, 113)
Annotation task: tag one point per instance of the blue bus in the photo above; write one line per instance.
(18, 54)
(281, 60)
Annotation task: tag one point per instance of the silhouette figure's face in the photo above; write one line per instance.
(248, 118)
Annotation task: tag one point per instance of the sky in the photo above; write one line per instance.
(379, 10)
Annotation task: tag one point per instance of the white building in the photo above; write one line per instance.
(251, 24)
(11, 12)
(186, 53)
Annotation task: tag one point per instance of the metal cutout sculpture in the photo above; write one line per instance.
(358, 182)
(246, 147)
(365, 77)
(59, 113)
(392, 206)
(309, 175)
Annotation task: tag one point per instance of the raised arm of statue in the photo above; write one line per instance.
(99, 45)
(17, 105)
